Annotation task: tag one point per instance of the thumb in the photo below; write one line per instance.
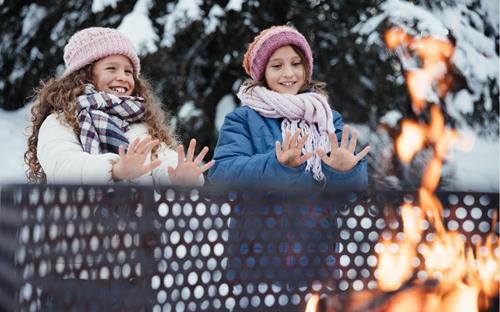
(278, 150)
(322, 155)
(171, 171)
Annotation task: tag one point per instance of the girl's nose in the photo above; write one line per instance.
(288, 71)
(121, 75)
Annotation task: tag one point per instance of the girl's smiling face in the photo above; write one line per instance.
(285, 71)
(114, 74)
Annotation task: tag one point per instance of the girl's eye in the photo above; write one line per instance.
(110, 68)
(297, 64)
(129, 72)
(276, 66)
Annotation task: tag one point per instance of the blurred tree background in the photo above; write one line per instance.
(195, 63)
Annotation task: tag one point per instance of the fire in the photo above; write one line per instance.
(411, 140)
(395, 264)
(312, 303)
(435, 55)
(467, 277)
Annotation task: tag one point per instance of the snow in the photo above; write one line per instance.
(213, 21)
(138, 28)
(181, 13)
(475, 55)
(463, 102)
(32, 18)
(184, 12)
(189, 110)
(391, 118)
(491, 10)
(234, 5)
(472, 165)
(99, 5)
(475, 169)
(225, 106)
(13, 140)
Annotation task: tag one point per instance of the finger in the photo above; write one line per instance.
(363, 153)
(207, 166)
(142, 143)
(152, 165)
(278, 150)
(333, 141)
(191, 148)
(286, 142)
(171, 172)
(345, 136)
(132, 146)
(293, 141)
(302, 141)
(305, 157)
(353, 142)
(121, 151)
(201, 155)
(148, 147)
(180, 154)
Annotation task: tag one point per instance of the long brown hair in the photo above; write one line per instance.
(309, 85)
(58, 95)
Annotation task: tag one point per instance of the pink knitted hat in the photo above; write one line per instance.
(268, 41)
(91, 44)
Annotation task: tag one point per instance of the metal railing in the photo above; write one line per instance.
(93, 248)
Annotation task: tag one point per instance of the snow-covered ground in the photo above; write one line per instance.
(13, 137)
(476, 169)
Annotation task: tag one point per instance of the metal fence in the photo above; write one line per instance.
(93, 248)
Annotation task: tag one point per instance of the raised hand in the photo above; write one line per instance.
(188, 170)
(132, 164)
(342, 157)
(290, 154)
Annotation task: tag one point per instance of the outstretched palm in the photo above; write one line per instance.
(342, 157)
(290, 154)
(188, 171)
(132, 164)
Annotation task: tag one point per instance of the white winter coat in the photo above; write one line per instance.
(63, 160)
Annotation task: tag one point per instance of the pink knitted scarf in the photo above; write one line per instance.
(308, 111)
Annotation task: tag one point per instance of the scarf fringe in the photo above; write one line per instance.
(309, 112)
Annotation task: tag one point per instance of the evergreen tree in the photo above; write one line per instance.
(33, 37)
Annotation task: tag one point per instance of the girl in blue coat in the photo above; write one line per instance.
(285, 134)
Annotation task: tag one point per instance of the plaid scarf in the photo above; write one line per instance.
(307, 111)
(104, 119)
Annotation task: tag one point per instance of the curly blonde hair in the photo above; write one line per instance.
(58, 95)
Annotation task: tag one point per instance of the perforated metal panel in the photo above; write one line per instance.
(363, 222)
(241, 250)
(81, 247)
(135, 248)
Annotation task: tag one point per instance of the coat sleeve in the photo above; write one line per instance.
(356, 178)
(237, 163)
(63, 160)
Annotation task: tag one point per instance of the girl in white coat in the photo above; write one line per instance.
(100, 123)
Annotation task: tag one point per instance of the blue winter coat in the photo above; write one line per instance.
(245, 155)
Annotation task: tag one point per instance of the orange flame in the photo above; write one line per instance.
(411, 140)
(395, 37)
(312, 303)
(435, 55)
(395, 264)
(466, 278)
